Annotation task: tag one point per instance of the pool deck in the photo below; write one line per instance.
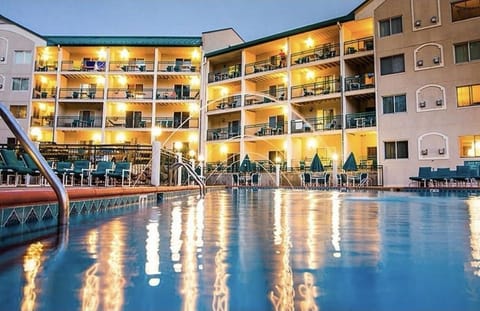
(17, 196)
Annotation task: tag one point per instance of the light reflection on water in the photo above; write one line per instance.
(264, 250)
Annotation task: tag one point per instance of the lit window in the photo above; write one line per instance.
(468, 95)
(19, 112)
(20, 84)
(469, 146)
(393, 104)
(464, 9)
(396, 150)
(390, 26)
(23, 57)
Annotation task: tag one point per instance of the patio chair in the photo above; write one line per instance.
(360, 179)
(63, 170)
(81, 169)
(16, 168)
(306, 179)
(424, 176)
(235, 179)
(122, 171)
(255, 179)
(324, 179)
(463, 175)
(33, 166)
(443, 176)
(342, 179)
(100, 172)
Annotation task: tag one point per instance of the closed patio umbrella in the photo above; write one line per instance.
(316, 165)
(350, 164)
(246, 165)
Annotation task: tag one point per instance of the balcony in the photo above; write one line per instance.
(42, 121)
(265, 129)
(85, 65)
(81, 94)
(230, 72)
(225, 103)
(77, 122)
(270, 64)
(360, 82)
(324, 87)
(178, 67)
(316, 124)
(123, 122)
(358, 45)
(41, 66)
(130, 94)
(361, 120)
(44, 93)
(128, 66)
(184, 93)
(221, 133)
(318, 53)
(175, 123)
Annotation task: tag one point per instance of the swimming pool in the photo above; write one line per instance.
(259, 249)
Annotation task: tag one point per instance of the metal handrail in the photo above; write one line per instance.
(45, 169)
(194, 175)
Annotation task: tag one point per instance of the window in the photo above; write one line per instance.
(23, 57)
(392, 64)
(19, 112)
(20, 84)
(396, 149)
(469, 146)
(390, 26)
(468, 95)
(393, 104)
(464, 9)
(467, 51)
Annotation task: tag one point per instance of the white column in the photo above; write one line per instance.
(277, 174)
(334, 170)
(156, 151)
(179, 170)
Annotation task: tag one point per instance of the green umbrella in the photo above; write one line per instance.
(316, 165)
(246, 165)
(350, 164)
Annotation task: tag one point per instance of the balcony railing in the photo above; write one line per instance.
(230, 72)
(358, 45)
(81, 94)
(44, 93)
(324, 87)
(86, 65)
(269, 64)
(172, 66)
(222, 133)
(130, 94)
(225, 102)
(46, 121)
(46, 66)
(360, 82)
(361, 120)
(314, 124)
(128, 66)
(265, 129)
(175, 94)
(318, 53)
(76, 121)
(173, 123)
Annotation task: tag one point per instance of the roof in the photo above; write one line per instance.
(122, 41)
(21, 26)
(330, 22)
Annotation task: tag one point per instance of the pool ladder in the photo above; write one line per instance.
(45, 169)
(194, 175)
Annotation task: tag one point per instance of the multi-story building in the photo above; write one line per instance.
(393, 82)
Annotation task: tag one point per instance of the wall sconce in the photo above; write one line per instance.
(419, 63)
(422, 104)
(436, 60)
(439, 102)
(1, 86)
(441, 151)
(433, 19)
(424, 152)
(2, 59)
(418, 23)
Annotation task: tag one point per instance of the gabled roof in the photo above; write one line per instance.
(18, 25)
(330, 22)
(121, 41)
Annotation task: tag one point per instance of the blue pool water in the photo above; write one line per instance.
(245, 249)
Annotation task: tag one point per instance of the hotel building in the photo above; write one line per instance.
(395, 83)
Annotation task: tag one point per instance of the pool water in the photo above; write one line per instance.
(247, 249)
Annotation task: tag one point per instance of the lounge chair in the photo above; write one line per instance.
(424, 176)
(443, 176)
(63, 170)
(122, 171)
(81, 169)
(360, 179)
(100, 172)
(16, 168)
(255, 179)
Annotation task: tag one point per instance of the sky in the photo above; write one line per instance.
(251, 19)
